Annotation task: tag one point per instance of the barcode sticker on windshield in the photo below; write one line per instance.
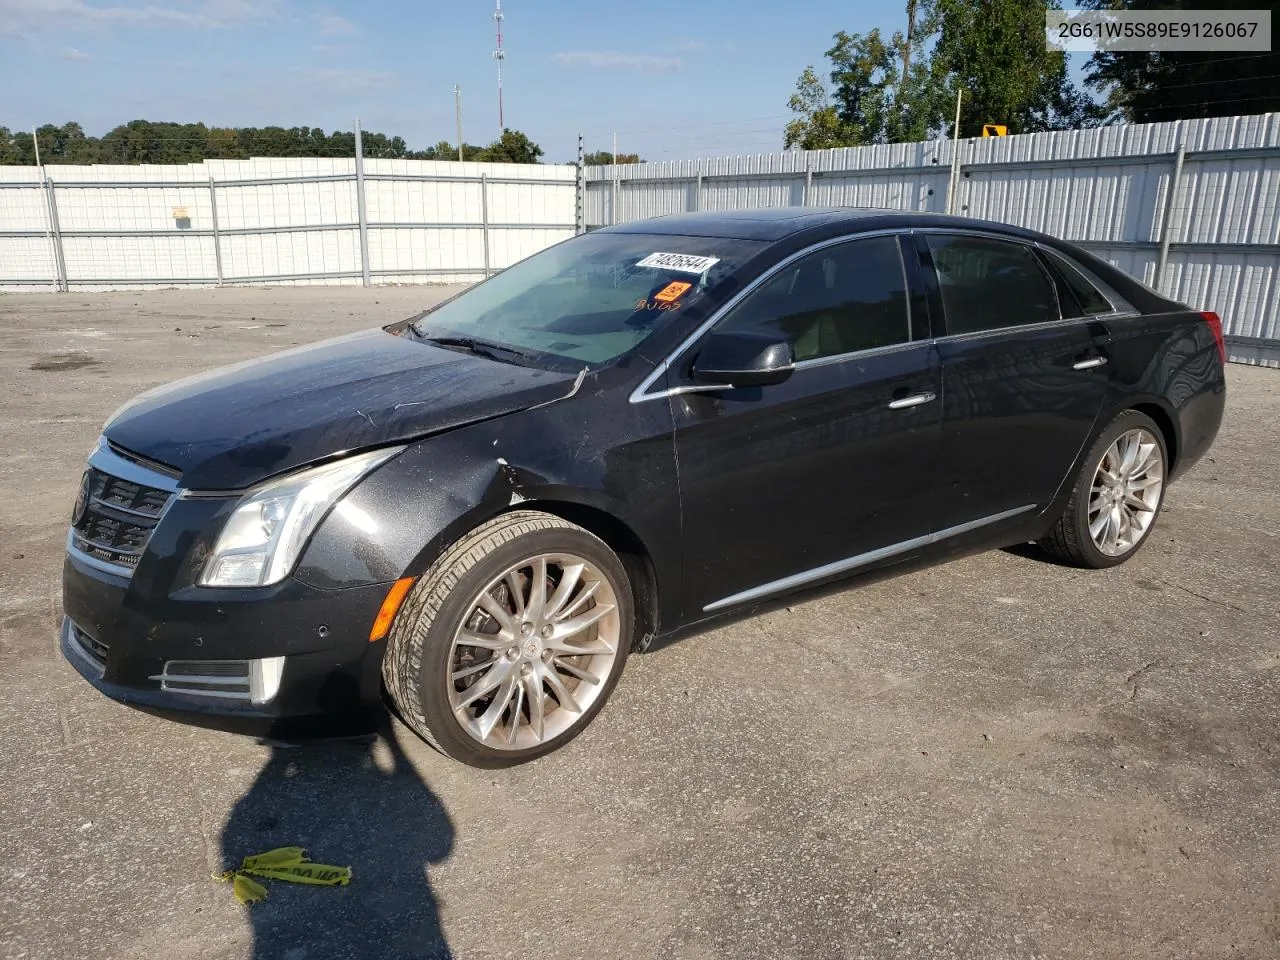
(682, 262)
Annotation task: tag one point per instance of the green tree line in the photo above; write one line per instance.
(145, 141)
(902, 86)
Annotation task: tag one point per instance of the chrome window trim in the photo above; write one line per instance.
(806, 577)
(1023, 328)
(869, 352)
(641, 393)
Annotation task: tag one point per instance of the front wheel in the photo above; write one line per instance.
(1117, 496)
(513, 640)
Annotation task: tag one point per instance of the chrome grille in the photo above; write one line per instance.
(123, 502)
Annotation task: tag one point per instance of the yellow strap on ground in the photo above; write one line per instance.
(320, 874)
(289, 864)
(247, 889)
(275, 858)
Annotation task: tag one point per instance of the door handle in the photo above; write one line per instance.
(1089, 364)
(912, 401)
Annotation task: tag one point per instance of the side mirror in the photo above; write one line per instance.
(744, 360)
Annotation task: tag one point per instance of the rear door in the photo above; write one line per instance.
(791, 484)
(1021, 384)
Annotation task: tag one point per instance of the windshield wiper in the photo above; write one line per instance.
(481, 348)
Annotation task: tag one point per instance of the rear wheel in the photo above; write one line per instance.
(1117, 496)
(512, 642)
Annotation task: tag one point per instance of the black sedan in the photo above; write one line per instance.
(477, 514)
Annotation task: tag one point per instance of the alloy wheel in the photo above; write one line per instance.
(1126, 491)
(533, 652)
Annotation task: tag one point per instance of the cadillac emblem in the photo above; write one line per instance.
(82, 500)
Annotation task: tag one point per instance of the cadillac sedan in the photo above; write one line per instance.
(478, 513)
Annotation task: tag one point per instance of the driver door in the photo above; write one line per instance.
(831, 470)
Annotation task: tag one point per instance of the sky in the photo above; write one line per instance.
(672, 79)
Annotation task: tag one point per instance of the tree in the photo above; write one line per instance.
(995, 51)
(444, 150)
(599, 158)
(1145, 87)
(880, 90)
(818, 126)
(903, 88)
(146, 141)
(512, 147)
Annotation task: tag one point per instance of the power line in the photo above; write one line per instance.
(1187, 105)
(1203, 83)
(700, 125)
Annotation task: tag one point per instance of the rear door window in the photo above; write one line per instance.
(989, 284)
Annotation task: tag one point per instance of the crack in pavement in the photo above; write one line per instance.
(1207, 599)
(1137, 675)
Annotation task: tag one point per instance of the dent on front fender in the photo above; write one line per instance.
(437, 489)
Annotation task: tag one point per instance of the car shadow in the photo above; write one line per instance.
(357, 803)
(1032, 551)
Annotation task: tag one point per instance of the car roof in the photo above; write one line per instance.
(777, 223)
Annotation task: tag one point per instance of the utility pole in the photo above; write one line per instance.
(35, 142)
(499, 54)
(457, 111)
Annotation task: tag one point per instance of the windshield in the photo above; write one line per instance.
(589, 299)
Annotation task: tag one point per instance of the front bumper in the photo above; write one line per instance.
(120, 638)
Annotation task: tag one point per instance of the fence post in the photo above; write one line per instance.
(59, 259)
(484, 219)
(1166, 224)
(613, 197)
(217, 239)
(697, 190)
(808, 180)
(580, 194)
(360, 209)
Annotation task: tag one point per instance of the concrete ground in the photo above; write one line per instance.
(996, 758)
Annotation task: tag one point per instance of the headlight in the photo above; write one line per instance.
(265, 535)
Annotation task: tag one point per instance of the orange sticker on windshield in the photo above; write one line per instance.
(672, 292)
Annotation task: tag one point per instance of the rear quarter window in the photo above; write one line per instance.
(1080, 295)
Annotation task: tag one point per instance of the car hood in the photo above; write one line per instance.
(233, 427)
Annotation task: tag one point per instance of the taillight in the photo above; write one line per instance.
(1215, 325)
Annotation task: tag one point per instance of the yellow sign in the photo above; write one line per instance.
(180, 213)
(994, 130)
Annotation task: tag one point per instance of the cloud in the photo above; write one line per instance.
(71, 53)
(689, 46)
(19, 16)
(613, 60)
(346, 79)
(332, 25)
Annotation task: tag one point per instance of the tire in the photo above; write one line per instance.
(1072, 539)
(448, 642)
